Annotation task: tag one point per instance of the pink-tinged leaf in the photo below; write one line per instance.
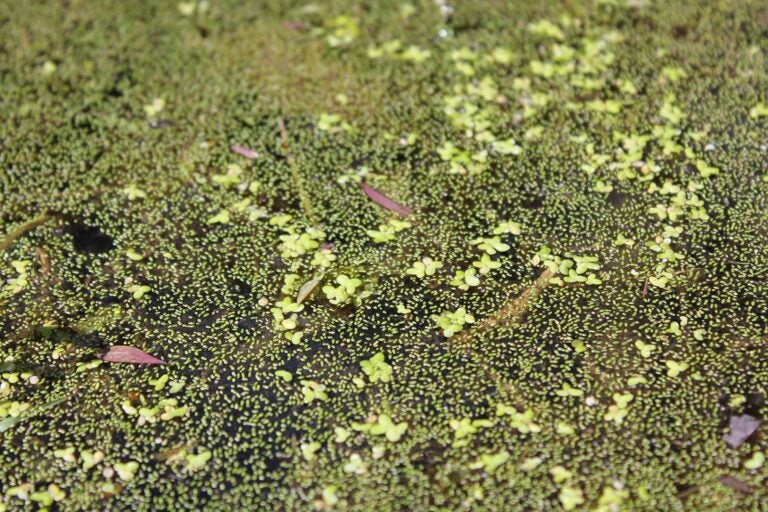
(385, 202)
(126, 354)
(741, 428)
(246, 152)
(735, 483)
(294, 25)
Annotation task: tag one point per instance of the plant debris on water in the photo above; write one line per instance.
(385, 202)
(126, 354)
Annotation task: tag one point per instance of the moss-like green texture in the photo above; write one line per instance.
(568, 321)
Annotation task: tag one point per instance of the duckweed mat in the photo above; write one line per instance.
(395, 256)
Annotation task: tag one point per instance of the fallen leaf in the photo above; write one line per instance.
(741, 428)
(687, 491)
(385, 202)
(246, 152)
(294, 25)
(172, 452)
(307, 288)
(126, 354)
(734, 483)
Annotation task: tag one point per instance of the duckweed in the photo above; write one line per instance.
(567, 320)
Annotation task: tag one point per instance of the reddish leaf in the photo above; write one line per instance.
(294, 25)
(246, 152)
(126, 354)
(734, 483)
(385, 202)
(741, 428)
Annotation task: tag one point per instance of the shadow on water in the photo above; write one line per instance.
(90, 239)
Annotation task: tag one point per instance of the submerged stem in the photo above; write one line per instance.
(509, 313)
(306, 203)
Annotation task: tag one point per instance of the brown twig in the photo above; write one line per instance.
(24, 228)
(45, 262)
(509, 313)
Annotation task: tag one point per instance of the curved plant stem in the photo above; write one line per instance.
(511, 312)
(306, 203)
(24, 228)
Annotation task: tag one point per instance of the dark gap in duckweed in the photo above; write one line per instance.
(89, 239)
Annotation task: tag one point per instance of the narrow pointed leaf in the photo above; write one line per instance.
(735, 483)
(246, 152)
(307, 288)
(385, 202)
(126, 354)
(741, 428)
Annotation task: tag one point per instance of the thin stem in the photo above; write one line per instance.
(306, 203)
(510, 313)
(24, 228)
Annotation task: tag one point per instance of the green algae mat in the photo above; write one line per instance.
(391, 256)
